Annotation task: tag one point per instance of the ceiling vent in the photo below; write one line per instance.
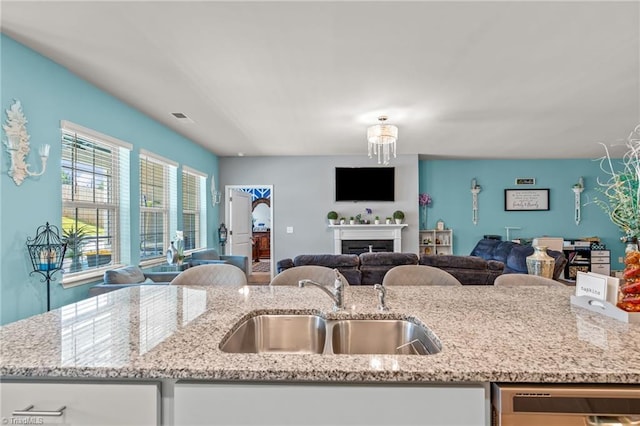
(181, 117)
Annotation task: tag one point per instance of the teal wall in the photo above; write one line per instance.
(50, 93)
(449, 183)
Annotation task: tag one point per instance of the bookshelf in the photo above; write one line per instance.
(433, 241)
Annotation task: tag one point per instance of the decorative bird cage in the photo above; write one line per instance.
(46, 251)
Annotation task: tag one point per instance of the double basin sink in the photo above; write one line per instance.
(312, 334)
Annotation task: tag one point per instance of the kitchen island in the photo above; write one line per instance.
(168, 334)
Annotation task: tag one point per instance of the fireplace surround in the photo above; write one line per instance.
(379, 236)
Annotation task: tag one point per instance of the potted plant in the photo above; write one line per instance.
(75, 239)
(352, 221)
(388, 220)
(377, 220)
(343, 221)
(398, 215)
(332, 216)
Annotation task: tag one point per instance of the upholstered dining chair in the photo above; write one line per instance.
(515, 280)
(319, 274)
(212, 274)
(418, 275)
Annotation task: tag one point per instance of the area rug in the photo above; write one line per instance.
(260, 267)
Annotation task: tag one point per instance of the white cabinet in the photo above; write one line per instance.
(433, 241)
(601, 261)
(329, 404)
(95, 403)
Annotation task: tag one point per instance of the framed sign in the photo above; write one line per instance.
(526, 199)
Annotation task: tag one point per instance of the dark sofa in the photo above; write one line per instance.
(488, 260)
(363, 269)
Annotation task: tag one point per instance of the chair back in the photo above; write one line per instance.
(418, 275)
(212, 274)
(515, 280)
(319, 274)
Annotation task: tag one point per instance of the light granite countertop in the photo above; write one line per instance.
(488, 334)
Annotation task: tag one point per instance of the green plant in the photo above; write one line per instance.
(398, 214)
(377, 217)
(332, 215)
(621, 189)
(352, 218)
(75, 239)
(342, 219)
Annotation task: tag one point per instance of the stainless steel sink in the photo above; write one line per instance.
(311, 334)
(393, 337)
(278, 333)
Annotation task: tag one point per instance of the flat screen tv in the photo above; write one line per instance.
(365, 183)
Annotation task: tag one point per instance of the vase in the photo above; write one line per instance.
(540, 263)
(172, 254)
(423, 217)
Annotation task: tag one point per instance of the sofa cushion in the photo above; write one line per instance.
(517, 259)
(328, 260)
(126, 275)
(489, 249)
(388, 259)
(460, 262)
(209, 254)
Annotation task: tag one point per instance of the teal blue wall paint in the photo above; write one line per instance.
(50, 93)
(449, 183)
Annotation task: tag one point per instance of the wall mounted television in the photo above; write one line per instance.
(365, 183)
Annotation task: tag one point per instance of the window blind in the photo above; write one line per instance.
(155, 204)
(192, 182)
(91, 185)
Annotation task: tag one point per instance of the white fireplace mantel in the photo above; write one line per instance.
(367, 232)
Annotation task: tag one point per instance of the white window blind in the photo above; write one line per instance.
(192, 208)
(155, 204)
(91, 185)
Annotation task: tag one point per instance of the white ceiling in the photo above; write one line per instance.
(469, 79)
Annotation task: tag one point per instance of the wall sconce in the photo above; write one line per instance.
(475, 190)
(216, 196)
(17, 143)
(577, 189)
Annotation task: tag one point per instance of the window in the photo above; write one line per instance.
(92, 182)
(157, 186)
(193, 208)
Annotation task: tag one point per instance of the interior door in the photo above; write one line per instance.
(240, 224)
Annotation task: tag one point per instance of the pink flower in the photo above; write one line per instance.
(424, 199)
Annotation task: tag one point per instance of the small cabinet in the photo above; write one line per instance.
(84, 403)
(261, 245)
(433, 241)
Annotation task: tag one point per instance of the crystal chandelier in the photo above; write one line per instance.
(382, 140)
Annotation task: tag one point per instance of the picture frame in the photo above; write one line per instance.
(526, 199)
(525, 181)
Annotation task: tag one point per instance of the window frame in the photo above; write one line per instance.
(166, 209)
(200, 212)
(114, 206)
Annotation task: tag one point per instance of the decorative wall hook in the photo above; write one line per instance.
(577, 189)
(17, 143)
(216, 196)
(475, 190)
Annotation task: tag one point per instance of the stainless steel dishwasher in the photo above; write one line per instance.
(564, 405)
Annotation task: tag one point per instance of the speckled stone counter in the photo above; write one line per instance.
(488, 334)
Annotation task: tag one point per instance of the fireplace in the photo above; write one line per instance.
(380, 237)
(362, 246)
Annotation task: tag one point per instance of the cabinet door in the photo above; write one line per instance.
(329, 404)
(85, 403)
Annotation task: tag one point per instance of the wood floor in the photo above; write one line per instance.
(261, 273)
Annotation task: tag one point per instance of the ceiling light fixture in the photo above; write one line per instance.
(382, 140)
